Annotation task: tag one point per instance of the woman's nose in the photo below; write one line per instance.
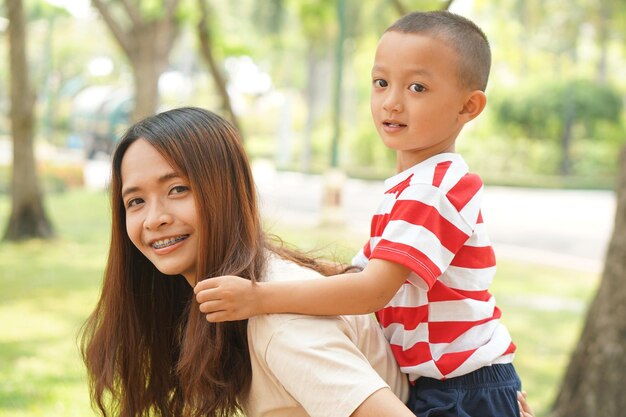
(157, 217)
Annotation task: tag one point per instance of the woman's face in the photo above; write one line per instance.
(161, 215)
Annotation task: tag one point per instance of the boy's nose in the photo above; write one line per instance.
(392, 104)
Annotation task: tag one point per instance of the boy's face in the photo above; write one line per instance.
(416, 96)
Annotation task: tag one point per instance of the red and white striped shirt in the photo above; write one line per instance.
(442, 322)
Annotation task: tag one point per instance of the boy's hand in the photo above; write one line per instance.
(524, 407)
(227, 298)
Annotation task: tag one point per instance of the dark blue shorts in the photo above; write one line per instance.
(487, 392)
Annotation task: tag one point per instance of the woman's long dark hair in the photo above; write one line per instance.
(147, 347)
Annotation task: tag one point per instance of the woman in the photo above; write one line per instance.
(183, 209)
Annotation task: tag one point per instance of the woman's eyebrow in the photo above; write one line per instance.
(163, 178)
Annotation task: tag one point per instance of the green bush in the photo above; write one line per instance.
(53, 178)
(540, 110)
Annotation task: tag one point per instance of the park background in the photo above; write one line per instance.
(294, 76)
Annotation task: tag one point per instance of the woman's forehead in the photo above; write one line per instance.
(142, 161)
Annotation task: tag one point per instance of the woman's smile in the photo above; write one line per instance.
(168, 242)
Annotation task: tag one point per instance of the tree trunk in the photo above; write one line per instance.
(206, 47)
(312, 99)
(148, 58)
(566, 143)
(28, 218)
(603, 30)
(147, 43)
(595, 378)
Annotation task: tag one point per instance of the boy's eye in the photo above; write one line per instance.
(380, 83)
(417, 88)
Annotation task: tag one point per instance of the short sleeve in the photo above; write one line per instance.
(321, 367)
(423, 231)
(360, 259)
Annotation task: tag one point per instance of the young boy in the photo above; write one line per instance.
(428, 264)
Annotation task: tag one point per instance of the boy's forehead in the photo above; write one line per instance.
(394, 45)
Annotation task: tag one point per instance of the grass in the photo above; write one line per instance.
(47, 289)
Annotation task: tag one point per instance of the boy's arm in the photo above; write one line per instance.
(230, 298)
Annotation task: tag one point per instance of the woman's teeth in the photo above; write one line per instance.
(160, 244)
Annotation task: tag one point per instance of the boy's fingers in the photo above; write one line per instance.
(206, 284)
(216, 317)
(210, 284)
(525, 410)
(207, 295)
(210, 307)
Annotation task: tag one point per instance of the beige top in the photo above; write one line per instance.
(316, 366)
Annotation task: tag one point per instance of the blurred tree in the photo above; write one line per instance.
(608, 18)
(318, 23)
(28, 218)
(552, 110)
(402, 8)
(49, 14)
(337, 89)
(146, 32)
(595, 378)
(205, 37)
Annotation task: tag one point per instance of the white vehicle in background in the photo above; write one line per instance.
(99, 115)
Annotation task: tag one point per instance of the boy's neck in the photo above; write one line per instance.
(406, 160)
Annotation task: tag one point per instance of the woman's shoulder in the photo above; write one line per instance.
(280, 269)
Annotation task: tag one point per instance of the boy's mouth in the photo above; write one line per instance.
(164, 243)
(394, 124)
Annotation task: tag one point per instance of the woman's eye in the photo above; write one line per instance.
(133, 202)
(179, 189)
(417, 88)
(380, 83)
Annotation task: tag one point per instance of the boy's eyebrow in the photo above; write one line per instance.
(424, 72)
(416, 71)
(163, 178)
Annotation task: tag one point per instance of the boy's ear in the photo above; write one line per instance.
(474, 104)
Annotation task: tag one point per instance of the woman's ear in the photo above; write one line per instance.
(474, 104)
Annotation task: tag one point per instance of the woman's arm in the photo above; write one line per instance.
(230, 298)
(382, 403)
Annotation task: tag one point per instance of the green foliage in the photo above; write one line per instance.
(270, 15)
(369, 158)
(519, 161)
(318, 21)
(41, 10)
(540, 110)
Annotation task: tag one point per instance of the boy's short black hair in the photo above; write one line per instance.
(463, 35)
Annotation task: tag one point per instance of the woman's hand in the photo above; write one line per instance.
(227, 298)
(524, 407)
